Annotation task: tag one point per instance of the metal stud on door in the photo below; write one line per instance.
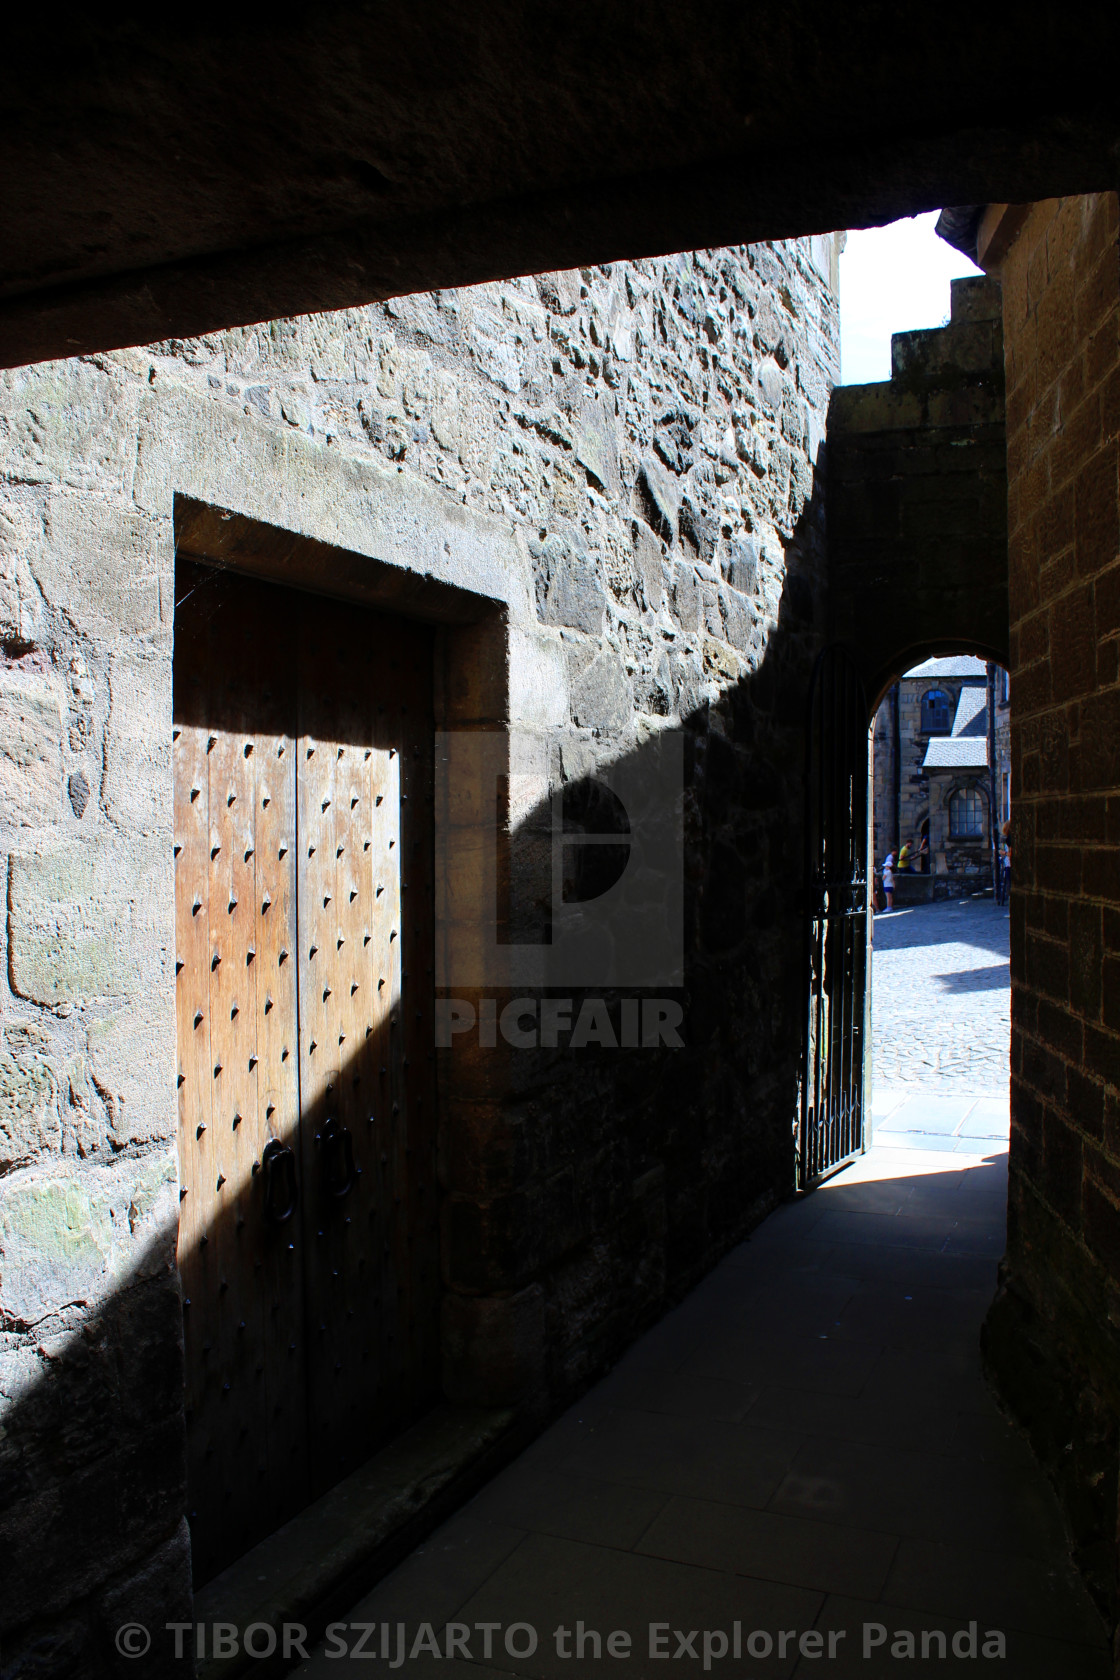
(361, 1106)
(309, 1242)
(238, 1090)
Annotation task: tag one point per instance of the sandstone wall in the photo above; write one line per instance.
(624, 460)
(1051, 1337)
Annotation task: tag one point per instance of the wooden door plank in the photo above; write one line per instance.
(198, 1267)
(248, 1433)
(416, 1013)
(362, 1382)
(308, 851)
(284, 1486)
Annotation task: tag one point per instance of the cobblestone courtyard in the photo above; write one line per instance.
(941, 1018)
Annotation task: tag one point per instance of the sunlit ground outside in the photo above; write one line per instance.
(941, 1021)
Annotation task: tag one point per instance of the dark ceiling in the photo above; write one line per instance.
(175, 170)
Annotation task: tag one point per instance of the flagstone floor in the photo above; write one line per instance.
(805, 1446)
(800, 1471)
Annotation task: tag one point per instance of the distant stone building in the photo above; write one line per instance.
(932, 782)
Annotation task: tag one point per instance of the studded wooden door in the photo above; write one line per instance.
(308, 1224)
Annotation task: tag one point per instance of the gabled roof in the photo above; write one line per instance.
(972, 712)
(959, 752)
(956, 665)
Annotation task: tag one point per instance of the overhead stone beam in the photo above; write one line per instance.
(170, 174)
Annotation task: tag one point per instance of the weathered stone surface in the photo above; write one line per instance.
(568, 589)
(597, 447)
(29, 1093)
(30, 748)
(601, 697)
(69, 423)
(594, 460)
(89, 922)
(493, 1348)
(151, 1596)
(78, 791)
(132, 1060)
(103, 564)
(658, 500)
(21, 605)
(72, 1234)
(538, 680)
(136, 785)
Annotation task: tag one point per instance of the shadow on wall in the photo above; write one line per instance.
(93, 1467)
(589, 1187)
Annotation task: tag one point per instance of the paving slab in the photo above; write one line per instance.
(804, 1445)
(926, 1112)
(883, 1642)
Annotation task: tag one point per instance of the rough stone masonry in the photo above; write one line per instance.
(625, 460)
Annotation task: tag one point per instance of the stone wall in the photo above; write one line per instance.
(620, 462)
(918, 497)
(1051, 1338)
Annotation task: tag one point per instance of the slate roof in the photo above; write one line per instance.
(957, 665)
(956, 752)
(967, 747)
(972, 713)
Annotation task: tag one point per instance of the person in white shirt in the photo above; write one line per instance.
(888, 880)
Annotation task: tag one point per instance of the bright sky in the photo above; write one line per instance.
(891, 279)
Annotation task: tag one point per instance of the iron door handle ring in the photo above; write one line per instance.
(281, 1190)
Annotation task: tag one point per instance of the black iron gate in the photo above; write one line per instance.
(831, 1123)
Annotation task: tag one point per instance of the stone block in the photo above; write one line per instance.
(658, 499)
(687, 596)
(596, 448)
(975, 298)
(601, 698)
(136, 788)
(649, 563)
(93, 920)
(538, 681)
(29, 1090)
(132, 1061)
(567, 583)
(742, 566)
(157, 1592)
(75, 1233)
(69, 423)
(30, 748)
(21, 604)
(106, 566)
(278, 475)
(493, 1348)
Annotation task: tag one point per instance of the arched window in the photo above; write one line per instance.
(937, 712)
(966, 815)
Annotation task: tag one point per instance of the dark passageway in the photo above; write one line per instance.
(806, 1443)
(260, 313)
